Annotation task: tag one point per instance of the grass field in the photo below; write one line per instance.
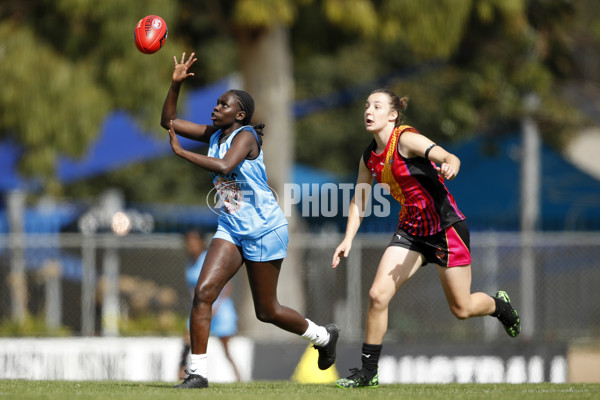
(282, 390)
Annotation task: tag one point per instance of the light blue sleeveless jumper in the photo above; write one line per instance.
(246, 205)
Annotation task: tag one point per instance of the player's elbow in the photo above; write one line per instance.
(224, 169)
(165, 122)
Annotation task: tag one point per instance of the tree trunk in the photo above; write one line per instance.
(266, 66)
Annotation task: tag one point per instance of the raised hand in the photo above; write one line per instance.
(182, 68)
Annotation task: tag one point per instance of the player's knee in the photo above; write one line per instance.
(265, 314)
(205, 293)
(460, 312)
(378, 298)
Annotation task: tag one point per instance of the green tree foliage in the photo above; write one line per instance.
(489, 54)
(430, 28)
(67, 63)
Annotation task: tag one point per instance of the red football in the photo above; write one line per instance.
(150, 34)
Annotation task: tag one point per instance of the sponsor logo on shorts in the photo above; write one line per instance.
(440, 253)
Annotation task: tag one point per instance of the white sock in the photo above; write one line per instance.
(316, 334)
(198, 365)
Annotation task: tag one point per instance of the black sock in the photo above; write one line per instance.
(370, 356)
(501, 307)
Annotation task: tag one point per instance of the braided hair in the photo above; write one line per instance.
(246, 103)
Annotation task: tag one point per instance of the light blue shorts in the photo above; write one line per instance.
(271, 246)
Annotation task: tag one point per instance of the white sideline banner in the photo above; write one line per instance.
(469, 369)
(119, 359)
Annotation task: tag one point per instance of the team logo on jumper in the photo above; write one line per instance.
(237, 198)
(230, 194)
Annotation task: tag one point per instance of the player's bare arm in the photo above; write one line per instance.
(355, 212)
(241, 148)
(187, 129)
(412, 144)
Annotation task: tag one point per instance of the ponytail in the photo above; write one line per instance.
(259, 131)
(398, 104)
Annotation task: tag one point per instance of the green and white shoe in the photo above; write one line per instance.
(358, 378)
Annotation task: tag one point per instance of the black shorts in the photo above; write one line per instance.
(448, 248)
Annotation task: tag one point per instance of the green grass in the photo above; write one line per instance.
(282, 390)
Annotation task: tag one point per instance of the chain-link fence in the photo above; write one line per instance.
(97, 284)
(551, 281)
(109, 285)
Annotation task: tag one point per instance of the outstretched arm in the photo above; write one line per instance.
(182, 127)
